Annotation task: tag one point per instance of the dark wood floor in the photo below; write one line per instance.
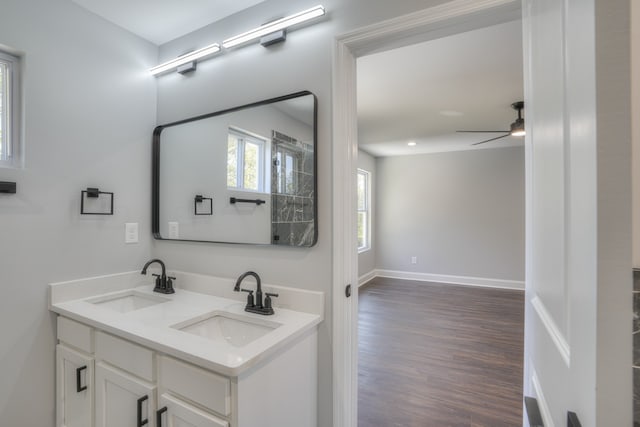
(436, 355)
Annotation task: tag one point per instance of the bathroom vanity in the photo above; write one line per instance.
(127, 356)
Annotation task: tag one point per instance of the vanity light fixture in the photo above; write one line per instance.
(274, 26)
(185, 59)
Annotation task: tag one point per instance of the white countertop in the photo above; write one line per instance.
(152, 326)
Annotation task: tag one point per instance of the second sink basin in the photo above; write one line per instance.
(234, 329)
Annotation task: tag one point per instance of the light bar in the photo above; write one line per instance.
(274, 26)
(183, 59)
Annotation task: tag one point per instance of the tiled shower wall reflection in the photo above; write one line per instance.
(292, 188)
(636, 347)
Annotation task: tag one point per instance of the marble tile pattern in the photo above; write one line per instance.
(292, 206)
(636, 347)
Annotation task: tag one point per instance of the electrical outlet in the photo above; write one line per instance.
(131, 232)
(174, 230)
(414, 260)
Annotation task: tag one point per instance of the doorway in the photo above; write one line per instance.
(435, 23)
(440, 182)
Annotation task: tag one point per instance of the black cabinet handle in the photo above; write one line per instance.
(159, 413)
(140, 421)
(79, 386)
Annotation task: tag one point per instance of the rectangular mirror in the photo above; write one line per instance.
(241, 175)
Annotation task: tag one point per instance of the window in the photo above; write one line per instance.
(245, 161)
(9, 109)
(364, 210)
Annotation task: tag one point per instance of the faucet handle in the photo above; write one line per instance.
(267, 301)
(250, 301)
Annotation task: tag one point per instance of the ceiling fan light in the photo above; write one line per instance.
(517, 128)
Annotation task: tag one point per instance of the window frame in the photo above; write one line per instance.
(243, 137)
(11, 111)
(366, 210)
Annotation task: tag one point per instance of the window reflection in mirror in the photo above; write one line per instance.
(246, 161)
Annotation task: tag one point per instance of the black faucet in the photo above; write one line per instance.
(256, 306)
(164, 284)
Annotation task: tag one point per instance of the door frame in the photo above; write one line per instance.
(435, 22)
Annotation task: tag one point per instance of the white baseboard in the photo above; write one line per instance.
(366, 277)
(444, 278)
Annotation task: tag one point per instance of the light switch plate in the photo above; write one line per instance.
(131, 232)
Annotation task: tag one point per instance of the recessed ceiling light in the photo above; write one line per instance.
(411, 144)
(451, 113)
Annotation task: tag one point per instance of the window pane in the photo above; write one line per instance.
(232, 162)
(362, 229)
(251, 165)
(362, 191)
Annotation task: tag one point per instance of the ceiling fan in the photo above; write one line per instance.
(517, 127)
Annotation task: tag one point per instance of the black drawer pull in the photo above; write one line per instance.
(159, 413)
(140, 421)
(79, 387)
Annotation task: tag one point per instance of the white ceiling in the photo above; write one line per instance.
(160, 21)
(425, 92)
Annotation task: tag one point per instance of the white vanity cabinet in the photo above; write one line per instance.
(122, 400)
(125, 384)
(74, 375)
(174, 412)
(74, 388)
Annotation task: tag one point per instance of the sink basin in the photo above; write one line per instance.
(124, 302)
(231, 328)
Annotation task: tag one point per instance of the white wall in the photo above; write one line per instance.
(460, 213)
(89, 112)
(367, 259)
(250, 74)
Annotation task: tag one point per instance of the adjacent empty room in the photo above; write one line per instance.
(441, 231)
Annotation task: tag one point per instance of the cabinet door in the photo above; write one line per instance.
(74, 383)
(176, 413)
(123, 400)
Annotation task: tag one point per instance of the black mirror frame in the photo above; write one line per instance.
(155, 169)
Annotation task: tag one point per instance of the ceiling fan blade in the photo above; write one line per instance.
(482, 131)
(492, 139)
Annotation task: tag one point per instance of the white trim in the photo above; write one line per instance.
(542, 402)
(345, 257)
(450, 18)
(383, 35)
(454, 280)
(367, 277)
(552, 329)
